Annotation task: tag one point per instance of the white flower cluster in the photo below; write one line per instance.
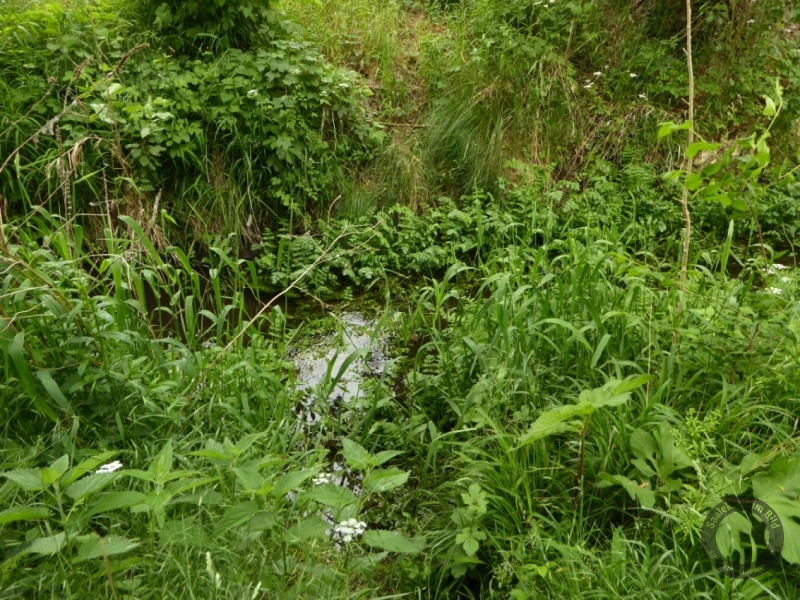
(349, 530)
(323, 478)
(773, 270)
(252, 93)
(110, 467)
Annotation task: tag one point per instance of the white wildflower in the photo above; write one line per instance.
(779, 267)
(643, 96)
(589, 85)
(751, 21)
(598, 73)
(774, 290)
(323, 478)
(252, 93)
(348, 530)
(633, 75)
(110, 467)
(786, 279)
(208, 345)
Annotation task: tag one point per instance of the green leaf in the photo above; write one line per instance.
(382, 457)
(109, 546)
(391, 541)
(556, 420)
(729, 534)
(780, 488)
(89, 485)
(644, 495)
(383, 480)
(470, 538)
(355, 454)
(292, 481)
(607, 395)
(47, 546)
(657, 454)
(162, 463)
(23, 513)
(696, 147)
(54, 472)
(88, 465)
(51, 387)
(331, 495)
(108, 501)
(29, 480)
(251, 480)
(236, 516)
(670, 127)
(307, 528)
(770, 108)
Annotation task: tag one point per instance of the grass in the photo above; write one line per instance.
(557, 417)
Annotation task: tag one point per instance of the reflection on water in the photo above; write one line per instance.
(318, 365)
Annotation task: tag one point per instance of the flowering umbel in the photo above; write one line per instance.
(348, 530)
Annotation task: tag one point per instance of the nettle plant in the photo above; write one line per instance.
(79, 514)
(663, 473)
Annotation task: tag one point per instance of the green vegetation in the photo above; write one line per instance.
(190, 190)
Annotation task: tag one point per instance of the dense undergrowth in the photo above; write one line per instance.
(187, 187)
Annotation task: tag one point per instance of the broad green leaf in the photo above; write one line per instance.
(29, 480)
(730, 532)
(391, 541)
(23, 513)
(292, 481)
(47, 546)
(355, 454)
(657, 454)
(470, 538)
(54, 472)
(644, 495)
(138, 474)
(331, 495)
(556, 420)
(366, 564)
(670, 127)
(89, 485)
(382, 457)
(606, 395)
(108, 546)
(770, 108)
(696, 147)
(383, 480)
(162, 463)
(108, 501)
(307, 528)
(236, 516)
(779, 488)
(251, 480)
(88, 465)
(631, 384)
(183, 532)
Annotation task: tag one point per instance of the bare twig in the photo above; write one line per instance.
(687, 218)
